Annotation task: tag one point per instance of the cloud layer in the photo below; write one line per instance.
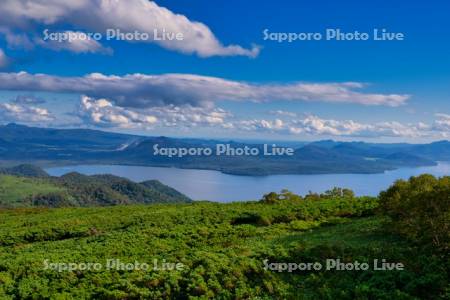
(102, 113)
(312, 125)
(143, 91)
(128, 16)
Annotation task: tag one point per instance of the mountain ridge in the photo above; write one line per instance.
(49, 146)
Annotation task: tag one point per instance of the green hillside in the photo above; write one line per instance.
(223, 249)
(26, 185)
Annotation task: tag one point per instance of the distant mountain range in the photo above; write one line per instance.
(44, 147)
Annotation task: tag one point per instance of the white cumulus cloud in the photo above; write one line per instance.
(127, 16)
(79, 44)
(442, 124)
(103, 113)
(14, 112)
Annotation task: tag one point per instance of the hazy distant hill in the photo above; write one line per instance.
(22, 144)
(435, 151)
(24, 170)
(79, 138)
(28, 144)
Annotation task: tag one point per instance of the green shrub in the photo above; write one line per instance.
(420, 209)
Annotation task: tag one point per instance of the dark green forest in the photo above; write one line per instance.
(224, 249)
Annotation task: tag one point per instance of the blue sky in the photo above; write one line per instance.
(403, 89)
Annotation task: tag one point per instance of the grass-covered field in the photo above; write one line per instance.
(14, 189)
(222, 248)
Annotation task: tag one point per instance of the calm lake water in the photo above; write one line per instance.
(215, 186)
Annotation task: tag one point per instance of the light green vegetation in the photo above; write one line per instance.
(222, 247)
(14, 189)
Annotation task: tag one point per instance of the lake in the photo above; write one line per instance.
(216, 186)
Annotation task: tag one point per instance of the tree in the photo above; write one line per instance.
(270, 198)
(337, 192)
(420, 209)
